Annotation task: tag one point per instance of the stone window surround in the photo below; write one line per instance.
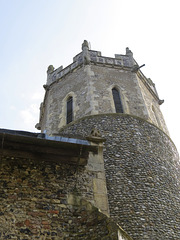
(69, 109)
(63, 113)
(117, 100)
(123, 96)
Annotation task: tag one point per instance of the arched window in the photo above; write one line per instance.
(117, 101)
(69, 110)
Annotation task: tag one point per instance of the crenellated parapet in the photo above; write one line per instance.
(91, 57)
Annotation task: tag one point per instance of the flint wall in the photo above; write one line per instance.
(142, 174)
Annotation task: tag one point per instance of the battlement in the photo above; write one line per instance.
(94, 57)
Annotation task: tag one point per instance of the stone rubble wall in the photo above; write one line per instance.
(91, 89)
(153, 108)
(46, 201)
(90, 85)
(142, 174)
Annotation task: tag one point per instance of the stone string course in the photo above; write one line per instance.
(142, 174)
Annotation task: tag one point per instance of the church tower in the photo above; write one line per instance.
(141, 162)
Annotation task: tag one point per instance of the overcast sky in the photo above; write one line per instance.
(37, 33)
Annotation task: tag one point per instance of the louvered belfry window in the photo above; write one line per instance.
(117, 101)
(69, 110)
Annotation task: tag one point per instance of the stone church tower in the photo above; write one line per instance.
(112, 96)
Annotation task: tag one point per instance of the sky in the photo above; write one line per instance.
(38, 33)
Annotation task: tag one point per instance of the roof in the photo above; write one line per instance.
(38, 146)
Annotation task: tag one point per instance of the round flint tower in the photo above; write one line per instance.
(141, 161)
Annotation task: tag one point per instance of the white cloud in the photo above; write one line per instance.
(37, 96)
(12, 108)
(29, 116)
